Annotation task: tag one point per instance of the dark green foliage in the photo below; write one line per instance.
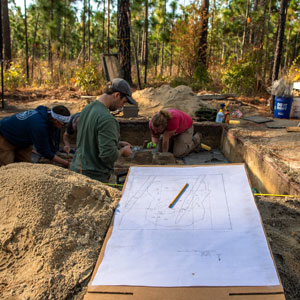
(240, 77)
(89, 79)
(201, 74)
(200, 80)
(178, 81)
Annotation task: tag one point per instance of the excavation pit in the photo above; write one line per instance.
(228, 145)
(137, 133)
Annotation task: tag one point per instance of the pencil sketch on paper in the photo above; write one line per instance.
(200, 207)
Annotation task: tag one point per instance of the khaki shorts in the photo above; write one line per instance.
(183, 143)
(10, 153)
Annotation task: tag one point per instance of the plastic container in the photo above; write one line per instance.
(282, 107)
(227, 117)
(295, 110)
(220, 116)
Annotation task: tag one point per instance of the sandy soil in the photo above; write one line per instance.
(281, 218)
(50, 217)
(52, 225)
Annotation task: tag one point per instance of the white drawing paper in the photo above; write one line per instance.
(212, 236)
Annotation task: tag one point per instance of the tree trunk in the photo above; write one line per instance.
(223, 51)
(245, 30)
(259, 42)
(202, 53)
(171, 60)
(278, 49)
(146, 41)
(156, 57)
(262, 24)
(50, 54)
(89, 31)
(173, 6)
(33, 45)
(50, 62)
(83, 32)
(26, 42)
(103, 28)
(108, 25)
(142, 48)
(280, 35)
(6, 33)
(295, 46)
(286, 58)
(211, 30)
(138, 45)
(252, 36)
(64, 35)
(266, 44)
(135, 55)
(163, 42)
(162, 59)
(124, 52)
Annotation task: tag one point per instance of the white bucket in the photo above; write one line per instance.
(295, 110)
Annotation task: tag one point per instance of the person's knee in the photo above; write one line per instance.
(180, 152)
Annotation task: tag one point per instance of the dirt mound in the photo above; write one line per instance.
(151, 100)
(52, 225)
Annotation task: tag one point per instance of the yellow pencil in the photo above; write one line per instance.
(179, 194)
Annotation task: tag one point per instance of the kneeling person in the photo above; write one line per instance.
(39, 127)
(98, 145)
(176, 125)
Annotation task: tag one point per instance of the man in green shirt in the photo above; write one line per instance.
(98, 133)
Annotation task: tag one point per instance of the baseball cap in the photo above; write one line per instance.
(122, 86)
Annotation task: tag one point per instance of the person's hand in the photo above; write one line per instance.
(123, 144)
(67, 149)
(126, 151)
(69, 164)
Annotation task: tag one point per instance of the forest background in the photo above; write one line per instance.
(238, 46)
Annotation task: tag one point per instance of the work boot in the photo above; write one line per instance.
(197, 141)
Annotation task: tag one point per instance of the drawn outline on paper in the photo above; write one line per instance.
(194, 210)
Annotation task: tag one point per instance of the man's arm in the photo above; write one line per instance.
(61, 161)
(155, 139)
(125, 148)
(123, 144)
(108, 140)
(66, 139)
(40, 140)
(126, 151)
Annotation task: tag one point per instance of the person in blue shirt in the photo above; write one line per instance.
(39, 127)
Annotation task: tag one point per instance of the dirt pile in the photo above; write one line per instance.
(151, 100)
(52, 225)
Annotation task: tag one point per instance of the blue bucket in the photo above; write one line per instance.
(282, 107)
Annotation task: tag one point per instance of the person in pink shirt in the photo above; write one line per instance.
(176, 125)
